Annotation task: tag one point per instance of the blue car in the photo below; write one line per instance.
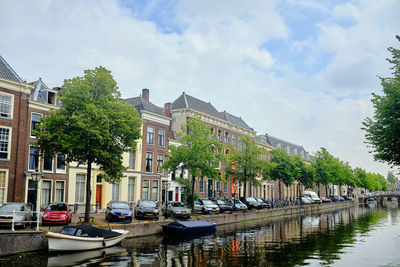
(118, 211)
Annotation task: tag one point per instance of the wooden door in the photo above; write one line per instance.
(98, 195)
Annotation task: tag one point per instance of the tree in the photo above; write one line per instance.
(244, 165)
(304, 172)
(93, 126)
(199, 152)
(325, 166)
(382, 131)
(391, 178)
(284, 168)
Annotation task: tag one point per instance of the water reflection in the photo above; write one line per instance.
(345, 237)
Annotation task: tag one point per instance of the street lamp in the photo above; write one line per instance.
(166, 187)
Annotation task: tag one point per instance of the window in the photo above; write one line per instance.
(46, 189)
(33, 158)
(160, 161)
(218, 186)
(233, 139)
(161, 137)
(6, 105)
(149, 162)
(212, 131)
(201, 185)
(154, 191)
(226, 137)
(80, 188)
(145, 189)
(239, 145)
(3, 184)
(131, 189)
(4, 143)
(59, 197)
(132, 159)
(99, 179)
(115, 192)
(150, 135)
(225, 187)
(48, 164)
(60, 162)
(219, 135)
(35, 120)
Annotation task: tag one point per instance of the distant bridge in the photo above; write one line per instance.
(379, 197)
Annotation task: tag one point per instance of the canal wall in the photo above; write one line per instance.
(23, 241)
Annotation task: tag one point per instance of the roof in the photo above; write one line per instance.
(6, 72)
(142, 104)
(39, 92)
(236, 120)
(275, 142)
(187, 101)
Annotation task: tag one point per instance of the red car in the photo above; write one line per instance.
(56, 213)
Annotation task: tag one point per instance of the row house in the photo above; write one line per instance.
(227, 128)
(24, 175)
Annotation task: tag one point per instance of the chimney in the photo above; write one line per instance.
(167, 109)
(146, 94)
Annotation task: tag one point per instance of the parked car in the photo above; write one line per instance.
(56, 213)
(314, 197)
(305, 200)
(146, 209)
(264, 203)
(325, 199)
(237, 205)
(118, 211)
(22, 211)
(341, 198)
(205, 206)
(348, 198)
(176, 209)
(334, 198)
(224, 206)
(251, 203)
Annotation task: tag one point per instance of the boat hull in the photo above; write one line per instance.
(174, 228)
(62, 242)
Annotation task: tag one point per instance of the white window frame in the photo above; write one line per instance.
(160, 163)
(116, 187)
(148, 189)
(52, 165)
(5, 189)
(55, 190)
(84, 187)
(65, 164)
(148, 135)
(8, 142)
(41, 116)
(29, 159)
(11, 115)
(161, 130)
(41, 191)
(152, 189)
(131, 193)
(152, 162)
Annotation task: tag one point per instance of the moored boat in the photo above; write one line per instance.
(84, 237)
(188, 227)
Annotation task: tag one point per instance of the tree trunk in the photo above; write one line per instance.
(319, 189)
(88, 190)
(280, 194)
(245, 189)
(192, 196)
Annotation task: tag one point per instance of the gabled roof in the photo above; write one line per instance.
(142, 104)
(236, 120)
(6, 72)
(39, 92)
(187, 101)
(275, 142)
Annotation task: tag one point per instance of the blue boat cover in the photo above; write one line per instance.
(190, 224)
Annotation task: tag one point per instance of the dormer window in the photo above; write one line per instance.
(51, 98)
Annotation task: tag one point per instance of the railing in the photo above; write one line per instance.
(15, 213)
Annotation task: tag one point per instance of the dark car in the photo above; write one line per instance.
(237, 205)
(264, 203)
(146, 209)
(224, 205)
(118, 211)
(176, 209)
(251, 203)
(335, 198)
(56, 213)
(22, 212)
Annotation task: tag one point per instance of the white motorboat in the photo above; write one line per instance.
(84, 237)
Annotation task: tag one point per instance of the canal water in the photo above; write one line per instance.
(367, 235)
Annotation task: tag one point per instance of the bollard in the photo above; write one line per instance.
(37, 220)
(12, 221)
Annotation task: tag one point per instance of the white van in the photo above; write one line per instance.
(314, 197)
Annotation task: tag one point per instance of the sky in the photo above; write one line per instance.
(300, 70)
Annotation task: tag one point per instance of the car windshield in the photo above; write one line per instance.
(207, 202)
(237, 201)
(11, 207)
(120, 205)
(220, 201)
(251, 199)
(314, 197)
(147, 204)
(57, 207)
(177, 204)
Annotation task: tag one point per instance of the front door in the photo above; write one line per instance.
(98, 195)
(210, 188)
(32, 193)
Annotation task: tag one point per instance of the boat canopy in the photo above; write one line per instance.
(191, 224)
(88, 231)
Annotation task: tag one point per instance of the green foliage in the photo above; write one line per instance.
(391, 178)
(304, 172)
(93, 126)
(199, 152)
(326, 167)
(284, 169)
(188, 188)
(244, 165)
(382, 131)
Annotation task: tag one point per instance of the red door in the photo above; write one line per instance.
(98, 195)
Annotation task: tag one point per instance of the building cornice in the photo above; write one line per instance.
(16, 86)
(146, 115)
(41, 106)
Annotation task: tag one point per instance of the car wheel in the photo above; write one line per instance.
(203, 211)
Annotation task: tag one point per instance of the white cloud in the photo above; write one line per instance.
(217, 54)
